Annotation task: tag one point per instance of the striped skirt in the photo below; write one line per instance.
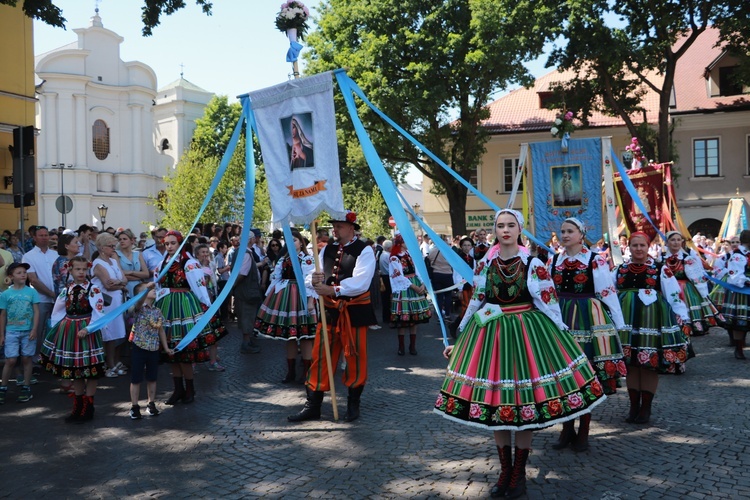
(283, 316)
(653, 339)
(181, 310)
(67, 356)
(593, 330)
(737, 311)
(703, 312)
(408, 308)
(518, 371)
(718, 295)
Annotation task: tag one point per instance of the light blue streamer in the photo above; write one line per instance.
(634, 194)
(384, 180)
(732, 288)
(245, 117)
(293, 53)
(354, 88)
(295, 263)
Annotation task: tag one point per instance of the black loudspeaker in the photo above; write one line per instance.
(23, 147)
(28, 200)
(29, 176)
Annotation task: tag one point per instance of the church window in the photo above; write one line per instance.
(100, 135)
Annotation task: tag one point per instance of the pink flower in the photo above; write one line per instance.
(439, 401)
(575, 400)
(528, 413)
(643, 357)
(475, 411)
(569, 115)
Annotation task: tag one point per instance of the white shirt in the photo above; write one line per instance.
(41, 264)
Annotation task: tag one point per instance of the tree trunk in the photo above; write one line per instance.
(664, 139)
(456, 194)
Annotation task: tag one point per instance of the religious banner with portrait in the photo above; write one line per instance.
(567, 184)
(649, 185)
(296, 128)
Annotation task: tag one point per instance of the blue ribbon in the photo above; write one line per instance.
(293, 53)
(634, 194)
(732, 288)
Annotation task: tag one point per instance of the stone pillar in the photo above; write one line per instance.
(80, 135)
(136, 120)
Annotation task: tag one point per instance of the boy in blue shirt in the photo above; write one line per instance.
(19, 315)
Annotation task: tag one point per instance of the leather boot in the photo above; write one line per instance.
(739, 345)
(189, 396)
(506, 465)
(75, 415)
(567, 436)
(635, 405)
(87, 410)
(401, 349)
(645, 412)
(311, 410)
(581, 442)
(179, 392)
(517, 484)
(413, 345)
(291, 371)
(352, 403)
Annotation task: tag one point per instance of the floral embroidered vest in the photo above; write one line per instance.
(676, 264)
(77, 301)
(407, 264)
(573, 277)
(507, 282)
(175, 277)
(638, 276)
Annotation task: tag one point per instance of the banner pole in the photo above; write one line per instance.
(323, 322)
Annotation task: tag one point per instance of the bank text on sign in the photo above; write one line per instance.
(475, 221)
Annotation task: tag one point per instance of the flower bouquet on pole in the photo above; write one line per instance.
(562, 128)
(635, 152)
(292, 20)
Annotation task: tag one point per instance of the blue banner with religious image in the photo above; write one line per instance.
(567, 184)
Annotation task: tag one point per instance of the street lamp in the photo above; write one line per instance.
(62, 204)
(416, 208)
(103, 213)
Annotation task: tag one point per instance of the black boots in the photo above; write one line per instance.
(581, 441)
(517, 484)
(189, 396)
(506, 465)
(644, 414)
(413, 345)
(567, 436)
(291, 371)
(352, 403)
(179, 392)
(87, 410)
(739, 345)
(311, 410)
(635, 405)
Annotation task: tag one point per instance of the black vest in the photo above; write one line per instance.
(338, 264)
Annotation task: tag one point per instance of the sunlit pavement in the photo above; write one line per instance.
(234, 441)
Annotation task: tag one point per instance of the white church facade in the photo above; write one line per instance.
(107, 134)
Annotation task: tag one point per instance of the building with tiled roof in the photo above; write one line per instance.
(712, 137)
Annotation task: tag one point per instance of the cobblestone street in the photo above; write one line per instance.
(235, 441)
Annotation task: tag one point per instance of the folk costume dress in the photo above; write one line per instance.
(737, 305)
(688, 270)
(407, 308)
(183, 298)
(650, 299)
(514, 365)
(720, 269)
(283, 315)
(64, 354)
(589, 306)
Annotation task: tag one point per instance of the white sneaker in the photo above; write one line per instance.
(111, 373)
(120, 369)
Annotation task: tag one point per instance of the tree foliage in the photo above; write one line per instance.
(151, 12)
(621, 50)
(432, 66)
(188, 184)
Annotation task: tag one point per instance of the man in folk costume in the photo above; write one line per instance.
(348, 266)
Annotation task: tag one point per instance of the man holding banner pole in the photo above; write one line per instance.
(348, 266)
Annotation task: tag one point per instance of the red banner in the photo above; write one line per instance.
(649, 186)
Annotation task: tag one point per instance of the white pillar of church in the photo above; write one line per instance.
(80, 131)
(136, 119)
(50, 126)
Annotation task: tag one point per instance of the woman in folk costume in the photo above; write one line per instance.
(409, 305)
(283, 315)
(652, 342)
(182, 297)
(688, 270)
(589, 305)
(736, 304)
(720, 269)
(514, 367)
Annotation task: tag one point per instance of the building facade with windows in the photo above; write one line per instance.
(711, 117)
(107, 135)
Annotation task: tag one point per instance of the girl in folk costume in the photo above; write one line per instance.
(721, 272)
(688, 270)
(70, 351)
(589, 305)
(283, 315)
(652, 341)
(182, 298)
(409, 305)
(514, 366)
(737, 305)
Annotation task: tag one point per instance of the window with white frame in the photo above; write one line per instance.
(473, 180)
(706, 157)
(508, 172)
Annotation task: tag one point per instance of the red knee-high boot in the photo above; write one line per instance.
(506, 466)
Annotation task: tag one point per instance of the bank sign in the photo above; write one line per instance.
(477, 220)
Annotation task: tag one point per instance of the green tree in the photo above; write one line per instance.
(152, 10)
(432, 66)
(370, 208)
(188, 184)
(618, 62)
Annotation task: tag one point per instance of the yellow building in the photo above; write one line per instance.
(17, 103)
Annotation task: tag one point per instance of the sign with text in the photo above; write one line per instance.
(477, 220)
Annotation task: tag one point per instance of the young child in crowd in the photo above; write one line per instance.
(146, 335)
(19, 315)
(70, 351)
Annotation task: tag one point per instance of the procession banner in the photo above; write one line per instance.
(297, 134)
(649, 187)
(567, 185)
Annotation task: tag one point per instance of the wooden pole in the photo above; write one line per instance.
(323, 323)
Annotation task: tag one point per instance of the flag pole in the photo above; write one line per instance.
(323, 323)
